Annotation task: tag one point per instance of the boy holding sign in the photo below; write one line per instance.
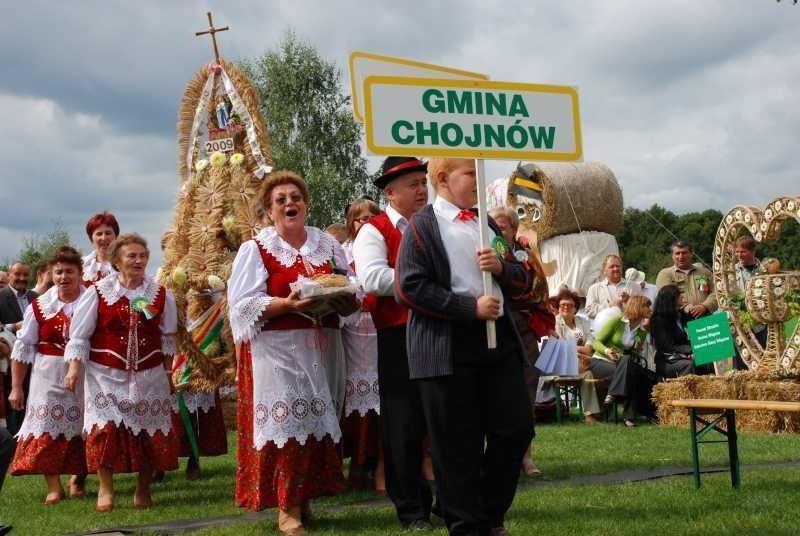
(474, 398)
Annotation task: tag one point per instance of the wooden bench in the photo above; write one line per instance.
(717, 411)
(564, 386)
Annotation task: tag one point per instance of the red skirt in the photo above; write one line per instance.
(361, 437)
(118, 449)
(208, 428)
(44, 455)
(284, 477)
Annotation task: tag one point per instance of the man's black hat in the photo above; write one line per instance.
(394, 166)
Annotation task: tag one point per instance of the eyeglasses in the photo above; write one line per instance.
(566, 305)
(282, 200)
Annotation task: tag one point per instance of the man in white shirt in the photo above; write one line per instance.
(610, 291)
(404, 184)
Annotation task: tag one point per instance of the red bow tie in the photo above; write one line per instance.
(467, 215)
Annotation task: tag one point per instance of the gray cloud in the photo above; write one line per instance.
(690, 103)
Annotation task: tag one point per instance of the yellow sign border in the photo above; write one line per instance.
(356, 54)
(472, 153)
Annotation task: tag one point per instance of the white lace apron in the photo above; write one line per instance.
(360, 342)
(298, 374)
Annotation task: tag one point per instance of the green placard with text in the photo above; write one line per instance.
(711, 338)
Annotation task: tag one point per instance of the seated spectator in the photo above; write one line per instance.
(673, 352)
(617, 355)
(608, 292)
(636, 283)
(570, 327)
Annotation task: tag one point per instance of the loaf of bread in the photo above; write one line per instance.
(331, 280)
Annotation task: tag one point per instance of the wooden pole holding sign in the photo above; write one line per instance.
(483, 230)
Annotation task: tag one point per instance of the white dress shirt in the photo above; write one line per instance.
(370, 256)
(461, 242)
(600, 294)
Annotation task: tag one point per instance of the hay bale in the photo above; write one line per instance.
(785, 390)
(748, 385)
(567, 196)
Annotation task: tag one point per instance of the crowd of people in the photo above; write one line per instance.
(396, 374)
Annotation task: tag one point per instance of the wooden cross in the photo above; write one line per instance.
(211, 30)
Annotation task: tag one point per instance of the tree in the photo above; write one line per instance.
(37, 247)
(311, 126)
(646, 236)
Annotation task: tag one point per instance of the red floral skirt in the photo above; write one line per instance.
(282, 477)
(118, 449)
(208, 428)
(361, 437)
(44, 455)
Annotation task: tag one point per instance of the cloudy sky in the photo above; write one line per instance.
(693, 104)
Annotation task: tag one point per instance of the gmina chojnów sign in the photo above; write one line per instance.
(471, 119)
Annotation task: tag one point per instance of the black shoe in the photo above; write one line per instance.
(419, 525)
(5, 529)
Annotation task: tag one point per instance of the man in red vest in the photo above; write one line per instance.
(404, 184)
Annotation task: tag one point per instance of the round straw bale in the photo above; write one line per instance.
(573, 197)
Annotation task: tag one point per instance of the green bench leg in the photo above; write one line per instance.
(695, 451)
(733, 448)
(730, 438)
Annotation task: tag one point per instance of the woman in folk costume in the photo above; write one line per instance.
(290, 362)
(528, 312)
(361, 434)
(123, 330)
(102, 229)
(50, 440)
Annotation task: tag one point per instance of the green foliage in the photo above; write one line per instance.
(37, 247)
(646, 237)
(786, 248)
(311, 126)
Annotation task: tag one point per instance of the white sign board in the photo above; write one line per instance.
(365, 64)
(224, 145)
(471, 119)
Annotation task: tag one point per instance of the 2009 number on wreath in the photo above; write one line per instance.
(224, 145)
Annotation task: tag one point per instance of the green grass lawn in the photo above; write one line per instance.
(766, 503)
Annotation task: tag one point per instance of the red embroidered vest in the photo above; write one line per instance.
(115, 323)
(53, 331)
(387, 312)
(278, 285)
